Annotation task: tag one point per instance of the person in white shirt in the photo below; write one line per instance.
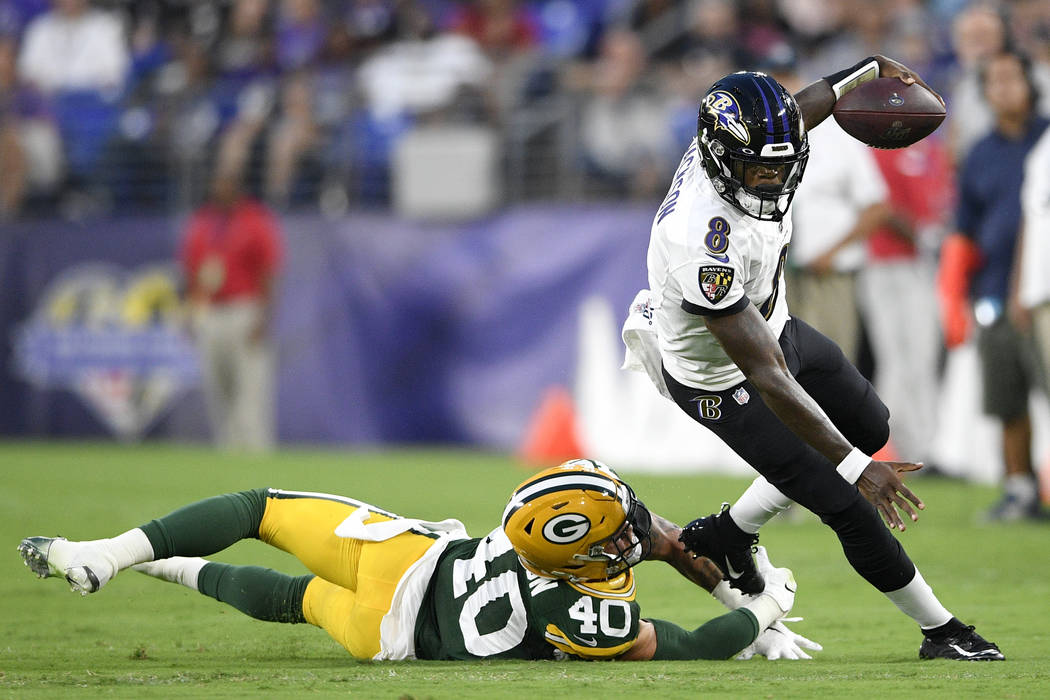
(1033, 290)
(73, 47)
(774, 389)
(841, 203)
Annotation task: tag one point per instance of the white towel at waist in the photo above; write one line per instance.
(354, 526)
(641, 342)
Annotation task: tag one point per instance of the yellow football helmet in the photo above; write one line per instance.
(577, 521)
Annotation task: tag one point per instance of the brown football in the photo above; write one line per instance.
(886, 113)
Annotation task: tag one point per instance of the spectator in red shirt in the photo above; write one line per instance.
(898, 277)
(230, 254)
(509, 35)
(500, 27)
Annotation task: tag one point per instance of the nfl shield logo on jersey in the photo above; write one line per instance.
(715, 281)
(741, 396)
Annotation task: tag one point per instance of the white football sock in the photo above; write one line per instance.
(184, 570)
(119, 552)
(131, 547)
(757, 505)
(917, 601)
(1023, 487)
(125, 549)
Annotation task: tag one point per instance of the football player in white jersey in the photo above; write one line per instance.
(778, 392)
(553, 580)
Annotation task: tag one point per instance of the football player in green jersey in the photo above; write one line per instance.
(553, 580)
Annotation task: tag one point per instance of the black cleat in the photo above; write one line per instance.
(960, 643)
(720, 540)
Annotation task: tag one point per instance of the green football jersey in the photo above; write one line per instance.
(482, 603)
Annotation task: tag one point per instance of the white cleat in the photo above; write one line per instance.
(86, 567)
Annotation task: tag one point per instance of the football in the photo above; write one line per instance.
(886, 113)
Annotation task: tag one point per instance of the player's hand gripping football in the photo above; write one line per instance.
(888, 68)
(881, 484)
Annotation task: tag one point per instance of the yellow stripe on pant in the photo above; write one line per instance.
(356, 579)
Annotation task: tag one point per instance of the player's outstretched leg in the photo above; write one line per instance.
(201, 528)
(730, 548)
(261, 593)
(878, 556)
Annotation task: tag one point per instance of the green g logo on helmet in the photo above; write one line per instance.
(563, 529)
(577, 521)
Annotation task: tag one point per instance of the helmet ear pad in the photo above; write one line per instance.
(750, 119)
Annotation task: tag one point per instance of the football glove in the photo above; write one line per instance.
(780, 583)
(779, 642)
(762, 560)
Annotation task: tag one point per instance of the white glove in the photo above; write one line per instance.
(762, 560)
(778, 642)
(780, 586)
(780, 583)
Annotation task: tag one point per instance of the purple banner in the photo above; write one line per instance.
(387, 330)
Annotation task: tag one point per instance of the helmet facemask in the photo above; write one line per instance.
(730, 171)
(630, 544)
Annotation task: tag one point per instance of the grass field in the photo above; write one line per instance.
(142, 638)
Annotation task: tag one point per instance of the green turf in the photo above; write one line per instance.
(143, 638)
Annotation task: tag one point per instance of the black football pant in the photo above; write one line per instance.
(742, 420)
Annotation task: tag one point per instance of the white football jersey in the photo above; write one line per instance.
(708, 258)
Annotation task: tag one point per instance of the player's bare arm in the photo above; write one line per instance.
(818, 99)
(700, 570)
(749, 342)
(667, 547)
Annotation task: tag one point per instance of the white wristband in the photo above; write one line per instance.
(853, 465)
(729, 597)
(869, 71)
(765, 609)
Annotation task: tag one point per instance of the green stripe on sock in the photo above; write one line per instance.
(261, 593)
(207, 526)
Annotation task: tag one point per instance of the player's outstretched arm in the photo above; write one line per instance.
(668, 548)
(749, 342)
(818, 99)
(722, 637)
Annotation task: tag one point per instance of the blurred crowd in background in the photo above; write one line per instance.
(334, 111)
(118, 107)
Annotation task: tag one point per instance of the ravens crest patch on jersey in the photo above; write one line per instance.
(715, 282)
